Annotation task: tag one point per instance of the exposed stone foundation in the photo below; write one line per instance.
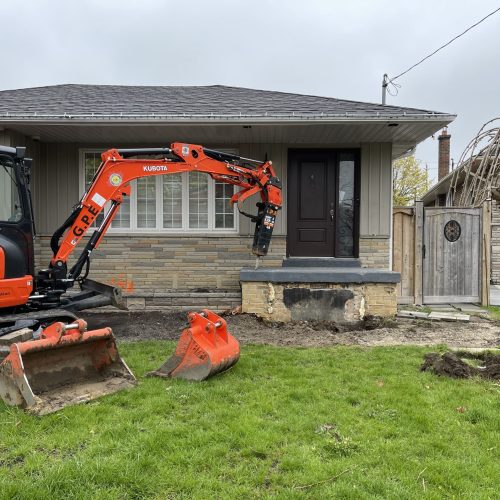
(319, 301)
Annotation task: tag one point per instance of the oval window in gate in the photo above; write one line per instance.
(452, 230)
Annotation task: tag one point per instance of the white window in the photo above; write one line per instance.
(190, 202)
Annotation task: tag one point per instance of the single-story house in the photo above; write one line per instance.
(177, 243)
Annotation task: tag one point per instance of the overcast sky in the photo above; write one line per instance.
(329, 48)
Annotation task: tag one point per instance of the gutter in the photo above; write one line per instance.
(228, 118)
(444, 182)
(447, 180)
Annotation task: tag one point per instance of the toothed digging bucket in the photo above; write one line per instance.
(204, 349)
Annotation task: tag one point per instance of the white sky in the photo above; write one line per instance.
(332, 48)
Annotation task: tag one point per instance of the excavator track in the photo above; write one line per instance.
(34, 319)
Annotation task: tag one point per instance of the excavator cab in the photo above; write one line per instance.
(16, 228)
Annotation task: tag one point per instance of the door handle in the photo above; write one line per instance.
(332, 214)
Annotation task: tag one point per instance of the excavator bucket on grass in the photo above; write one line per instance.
(204, 349)
(67, 365)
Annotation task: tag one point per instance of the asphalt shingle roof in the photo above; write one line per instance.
(197, 100)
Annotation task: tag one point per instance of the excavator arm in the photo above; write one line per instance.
(111, 184)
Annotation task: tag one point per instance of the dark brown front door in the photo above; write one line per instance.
(322, 201)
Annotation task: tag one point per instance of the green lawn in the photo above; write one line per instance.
(342, 422)
(494, 312)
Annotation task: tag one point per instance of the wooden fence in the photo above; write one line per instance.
(442, 253)
(403, 252)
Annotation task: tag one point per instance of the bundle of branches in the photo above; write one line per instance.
(477, 177)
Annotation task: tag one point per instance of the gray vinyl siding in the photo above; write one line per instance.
(55, 182)
(55, 185)
(278, 154)
(376, 190)
(4, 138)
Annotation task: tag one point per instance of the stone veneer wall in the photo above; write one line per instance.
(266, 300)
(374, 252)
(173, 272)
(185, 272)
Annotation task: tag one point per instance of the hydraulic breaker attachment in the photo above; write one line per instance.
(204, 349)
(67, 365)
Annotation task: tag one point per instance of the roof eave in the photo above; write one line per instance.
(226, 119)
(437, 189)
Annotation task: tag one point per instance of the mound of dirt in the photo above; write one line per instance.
(452, 365)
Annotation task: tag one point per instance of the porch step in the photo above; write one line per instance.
(319, 275)
(320, 262)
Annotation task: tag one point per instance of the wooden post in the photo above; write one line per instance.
(419, 241)
(486, 253)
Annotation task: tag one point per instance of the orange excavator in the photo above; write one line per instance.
(52, 359)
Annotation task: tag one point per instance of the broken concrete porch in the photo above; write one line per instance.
(326, 289)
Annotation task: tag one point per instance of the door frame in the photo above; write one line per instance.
(357, 189)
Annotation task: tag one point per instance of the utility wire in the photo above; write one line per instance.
(390, 80)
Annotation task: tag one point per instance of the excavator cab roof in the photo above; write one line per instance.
(7, 155)
(16, 154)
(7, 150)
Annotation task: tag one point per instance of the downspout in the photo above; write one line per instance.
(391, 232)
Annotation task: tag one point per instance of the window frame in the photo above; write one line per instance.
(159, 229)
(15, 189)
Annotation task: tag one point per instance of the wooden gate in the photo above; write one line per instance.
(451, 255)
(442, 253)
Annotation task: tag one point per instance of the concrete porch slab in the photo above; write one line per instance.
(319, 275)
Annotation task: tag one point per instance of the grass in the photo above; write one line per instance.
(343, 422)
(494, 312)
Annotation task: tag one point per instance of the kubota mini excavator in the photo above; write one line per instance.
(63, 363)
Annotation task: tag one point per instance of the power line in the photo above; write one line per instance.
(443, 46)
(386, 81)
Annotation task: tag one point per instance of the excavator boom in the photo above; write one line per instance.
(111, 184)
(68, 364)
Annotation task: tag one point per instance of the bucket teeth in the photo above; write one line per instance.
(204, 349)
(66, 366)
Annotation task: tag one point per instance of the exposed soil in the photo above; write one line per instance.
(460, 365)
(79, 392)
(155, 325)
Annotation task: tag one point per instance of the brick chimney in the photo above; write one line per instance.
(444, 154)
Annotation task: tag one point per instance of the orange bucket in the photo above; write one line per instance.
(204, 349)
(66, 366)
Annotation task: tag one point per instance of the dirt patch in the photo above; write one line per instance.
(452, 365)
(248, 329)
(80, 392)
